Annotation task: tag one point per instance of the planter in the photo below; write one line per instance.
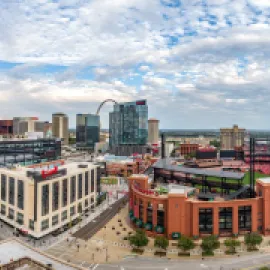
(139, 251)
(183, 254)
(160, 253)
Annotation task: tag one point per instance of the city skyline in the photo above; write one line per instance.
(199, 64)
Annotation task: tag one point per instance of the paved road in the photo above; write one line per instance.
(94, 226)
(245, 262)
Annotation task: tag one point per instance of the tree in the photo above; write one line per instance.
(231, 244)
(186, 243)
(139, 240)
(209, 244)
(215, 143)
(252, 240)
(161, 242)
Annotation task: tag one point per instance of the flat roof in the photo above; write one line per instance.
(166, 164)
(14, 250)
(265, 180)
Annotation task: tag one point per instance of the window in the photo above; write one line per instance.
(92, 180)
(73, 189)
(3, 209)
(31, 224)
(45, 224)
(20, 218)
(45, 200)
(65, 193)
(11, 183)
(80, 186)
(55, 220)
(149, 213)
(64, 215)
(205, 220)
(20, 197)
(86, 203)
(10, 213)
(98, 179)
(160, 215)
(80, 208)
(72, 211)
(141, 210)
(55, 199)
(225, 219)
(86, 183)
(244, 218)
(3, 187)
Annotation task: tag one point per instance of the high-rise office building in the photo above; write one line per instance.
(60, 126)
(153, 131)
(128, 123)
(231, 138)
(21, 125)
(87, 130)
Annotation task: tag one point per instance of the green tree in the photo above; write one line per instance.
(161, 242)
(139, 239)
(215, 143)
(209, 244)
(231, 244)
(252, 240)
(264, 268)
(186, 243)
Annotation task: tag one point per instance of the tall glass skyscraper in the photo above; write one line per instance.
(128, 123)
(87, 130)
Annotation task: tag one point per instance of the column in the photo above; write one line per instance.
(235, 219)
(154, 218)
(215, 221)
(50, 198)
(254, 216)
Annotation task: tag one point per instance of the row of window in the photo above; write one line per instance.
(225, 219)
(10, 213)
(9, 187)
(75, 191)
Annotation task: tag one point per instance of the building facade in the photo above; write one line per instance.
(21, 125)
(6, 127)
(26, 152)
(128, 123)
(87, 131)
(153, 131)
(231, 138)
(60, 127)
(40, 200)
(179, 212)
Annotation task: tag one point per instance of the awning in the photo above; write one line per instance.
(176, 235)
(148, 226)
(159, 229)
(139, 223)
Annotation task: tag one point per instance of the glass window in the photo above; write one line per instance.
(3, 209)
(55, 220)
(205, 220)
(72, 210)
(64, 215)
(86, 203)
(45, 200)
(244, 218)
(149, 213)
(73, 189)
(65, 193)
(55, 199)
(11, 198)
(86, 183)
(225, 219)
(141, 210)
(92, 180)
(160, 217)
(20, 194)
(45, 224)
(10, 213)
(3, 187)
(80, 208)
(98, 180)
(80, 186)
(31, 224)
(20, 218)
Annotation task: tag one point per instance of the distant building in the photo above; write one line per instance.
(187, 148)
(6, 127)
(87, 130)
(231, 138)
(21, 125)
(60, 126)
(128, 125)
(153, 131)
(47, 130)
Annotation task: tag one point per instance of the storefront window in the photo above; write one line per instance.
(205, 220)
(225, 219)
(65, 193)
(55, 200)
(45, 200)
(20, 194)
(244, 218)
(11, 198)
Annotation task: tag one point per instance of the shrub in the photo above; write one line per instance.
(252, 240)
(209, 244)
(231, 244)
(139, 240)
(161, 242)
(185, 243)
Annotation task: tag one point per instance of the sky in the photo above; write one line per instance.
(199, 63)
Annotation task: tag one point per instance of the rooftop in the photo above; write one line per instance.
(265, 180)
